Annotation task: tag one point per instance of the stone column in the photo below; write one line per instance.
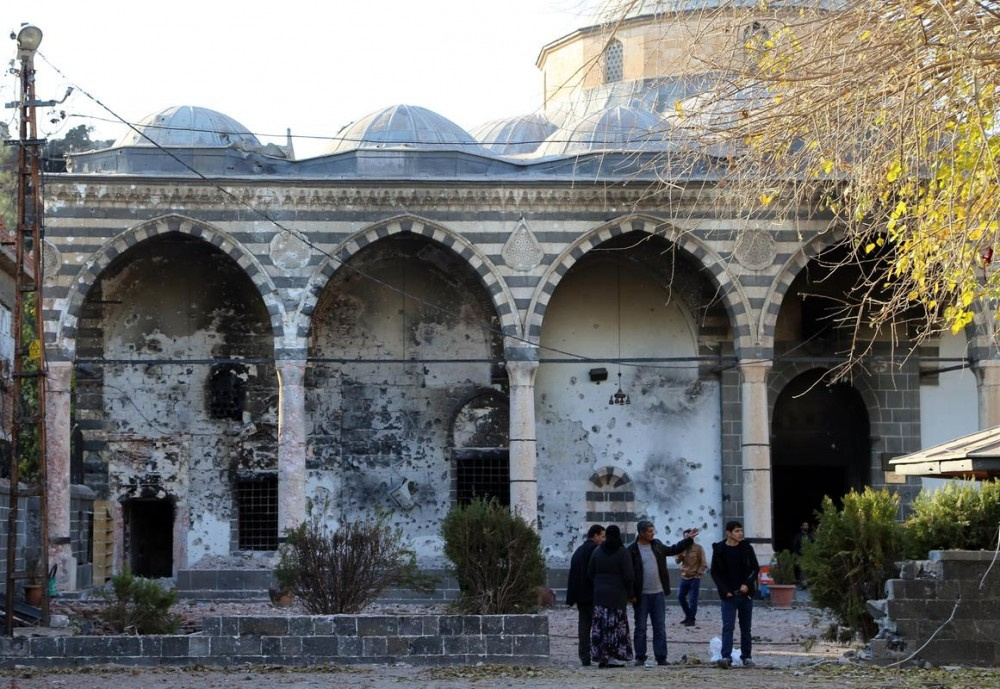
(988, 382)
(291, 444)
(756, 450)
(522, 364)
(58, 378)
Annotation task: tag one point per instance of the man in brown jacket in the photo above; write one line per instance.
(693, 565)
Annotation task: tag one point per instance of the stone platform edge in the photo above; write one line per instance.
(303, 641)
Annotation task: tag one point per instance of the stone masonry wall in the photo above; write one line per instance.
(953, 597)
(302, 641)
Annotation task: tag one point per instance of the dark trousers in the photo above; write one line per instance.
(741, 606)
(584, 622)
(687, 594)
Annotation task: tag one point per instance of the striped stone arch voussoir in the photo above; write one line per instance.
(708, 260)
(103, 257)
(783, 280)
(503, 301)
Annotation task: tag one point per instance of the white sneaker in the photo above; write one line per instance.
(649, 663)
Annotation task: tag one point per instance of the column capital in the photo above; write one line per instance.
(754, 370)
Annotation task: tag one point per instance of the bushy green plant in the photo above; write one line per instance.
(139, 606)
(497, 559)
(783, 567)
(343, 570)
(853, 555)
(959, 516)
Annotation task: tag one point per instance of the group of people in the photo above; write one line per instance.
(605, 576)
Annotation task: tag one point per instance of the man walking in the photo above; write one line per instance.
(652, 586)
(580, 590)
(734, 570)
(693, 565)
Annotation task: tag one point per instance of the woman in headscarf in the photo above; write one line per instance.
(611, 571)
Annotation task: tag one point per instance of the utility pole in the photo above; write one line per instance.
(28, 432)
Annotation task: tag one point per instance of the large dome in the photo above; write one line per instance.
(187, 126)
(514, 135)
(406, 127)
(619, 128)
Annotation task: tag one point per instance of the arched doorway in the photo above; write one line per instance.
(820, 445)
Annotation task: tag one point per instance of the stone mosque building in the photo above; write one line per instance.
(423, 314)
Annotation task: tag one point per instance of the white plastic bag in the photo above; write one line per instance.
(736, 656)
(715, 648)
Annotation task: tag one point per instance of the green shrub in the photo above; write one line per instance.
(343, 570)
(139, 606)
(958, 516)
(853, 555)
(783, 567)
(497, 559)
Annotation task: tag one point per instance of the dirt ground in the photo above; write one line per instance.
(787, 648)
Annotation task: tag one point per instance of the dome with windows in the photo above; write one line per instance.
(514, 135)
(403, 127)
(619, 128)
(188, 126)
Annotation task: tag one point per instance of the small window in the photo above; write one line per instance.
(227, 391)
(482, 475)
(614, 61)
(257, 512)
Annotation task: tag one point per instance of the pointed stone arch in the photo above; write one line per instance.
(783, 280)
(735, 301)
(492, 282)
(91, 271)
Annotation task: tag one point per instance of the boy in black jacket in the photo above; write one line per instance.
(734, 570)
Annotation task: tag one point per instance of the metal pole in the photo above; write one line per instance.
(28, 243)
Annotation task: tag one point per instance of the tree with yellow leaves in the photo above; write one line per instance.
(878, 114)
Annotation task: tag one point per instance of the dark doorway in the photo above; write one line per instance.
(149, 537)
(820, 445)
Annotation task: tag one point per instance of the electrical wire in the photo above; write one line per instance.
(487, 326)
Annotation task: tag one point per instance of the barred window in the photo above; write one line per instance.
(257, 512)
(227, 391)
(482, 475)
(614, 62)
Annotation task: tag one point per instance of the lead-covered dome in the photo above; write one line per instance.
(188, 126)
(619, 128)
(514, 135)
(403, 127)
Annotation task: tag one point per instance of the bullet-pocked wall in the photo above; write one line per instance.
(176, 395)
(642, 301)
(403, 336)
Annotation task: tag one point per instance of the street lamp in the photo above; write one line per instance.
(28, 40)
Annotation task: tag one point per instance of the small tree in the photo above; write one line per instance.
(853, 555)
(959, 516)
(140, 606)
(783, 568)
(497, 559)
(343, 570)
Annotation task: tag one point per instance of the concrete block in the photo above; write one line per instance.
(301, 626)
(453, 625)
(477, 645)
(493, 625)
(432, 625)
(473, 624)
(456, 645)
(374, 646)
(497, 645)
(348, 647)
(345, 626)
(397, 647)
(410, 626)
(291, 645)
(264, 626)
(531, 646)
(377, 626)
(200, 646)
(321, 646)
(211, 626)
(427, 646)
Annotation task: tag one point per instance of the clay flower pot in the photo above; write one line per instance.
(782, 595)
(33, 594)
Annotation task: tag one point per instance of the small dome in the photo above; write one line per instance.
(514, 135)
(618, 129)
(187, 126)
(402, 127)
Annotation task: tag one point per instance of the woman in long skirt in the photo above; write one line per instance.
(611, 571)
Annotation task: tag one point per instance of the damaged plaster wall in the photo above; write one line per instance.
(161, 315)
(379, 431)
(667, 441)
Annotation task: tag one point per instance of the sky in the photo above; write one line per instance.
(308, 65)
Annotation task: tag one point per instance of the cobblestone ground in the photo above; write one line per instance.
(787, 649)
